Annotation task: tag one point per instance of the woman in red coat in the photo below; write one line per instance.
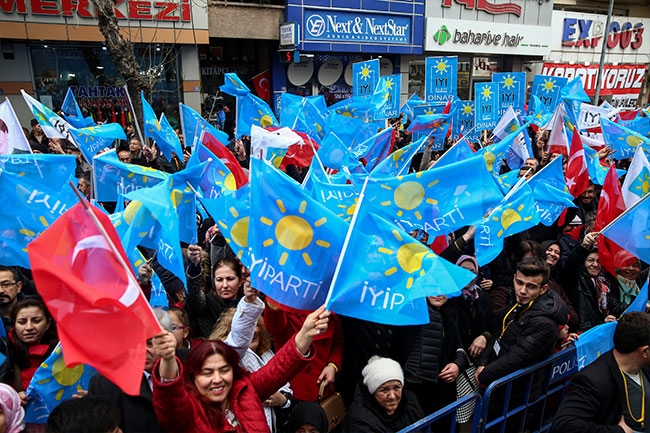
(213, 394)
(282, 322)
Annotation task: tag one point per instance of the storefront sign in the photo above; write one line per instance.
(326, 25)
(586, 31)
(486, 6)
(365, 26)
(485, 37)
(145, 10)
(289, 34)
(622, 82)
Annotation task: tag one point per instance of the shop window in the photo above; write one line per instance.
(97, 83)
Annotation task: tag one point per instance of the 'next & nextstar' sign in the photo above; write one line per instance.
(336, 26)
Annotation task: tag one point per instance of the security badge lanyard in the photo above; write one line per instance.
(497, 346)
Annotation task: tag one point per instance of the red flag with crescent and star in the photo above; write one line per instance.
(262, 84)
(103, 318)
(610, 206)
(577, 175)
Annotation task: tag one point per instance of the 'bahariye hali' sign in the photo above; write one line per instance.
(622, 82)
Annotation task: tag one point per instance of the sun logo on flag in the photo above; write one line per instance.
(631, 140)
(410, 257)
(347, 211)
(486, 92)
(225, 180)
(508, 82)
(365, 72)
(548, 85)
(264, 120)
(641, 185)
(294, 233)
(237, 233)
(389, 83)
(347, 112)
(63, 375)
(441, 66)
(468, 110)
(491, 158)
(409, 196)
(510, 216)
(513, 127)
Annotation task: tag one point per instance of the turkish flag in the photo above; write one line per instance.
(577, 176)
(102, 316)
(262, 84)
(610, 206)
(299, 154)
(226, 156)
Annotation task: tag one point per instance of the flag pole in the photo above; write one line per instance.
(628, 210)
(136, 122)
(109, 241)
(348, 235)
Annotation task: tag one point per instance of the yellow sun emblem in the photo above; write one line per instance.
(467, 110)
(549, 85)
(410, 257)
(441, 66)
(365, 72)
(294, 233)
(237, 233)
(409, 196)
(509, 82)
(510, 216)
(63, 375)
(486, 92)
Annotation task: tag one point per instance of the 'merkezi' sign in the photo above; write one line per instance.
(146, 10)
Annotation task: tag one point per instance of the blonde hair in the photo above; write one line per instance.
(223, 326)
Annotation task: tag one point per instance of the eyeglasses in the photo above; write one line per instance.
(177, 327)
(7, 284)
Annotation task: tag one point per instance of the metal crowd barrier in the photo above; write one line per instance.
(524, 401)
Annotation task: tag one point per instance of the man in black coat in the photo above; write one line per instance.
(607, 395)
(529, 328)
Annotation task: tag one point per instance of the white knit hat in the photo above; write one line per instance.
(379, 371)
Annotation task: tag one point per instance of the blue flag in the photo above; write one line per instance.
(513, 215)
(512, 90)
(341, 199)
(439, 200)
(486, 113)
(458, 152)
(231, 212)
(407, 108)
(396, 271)
(597, 171)
(54, 383)
(160, 132)
(336, 155)
(441, 78)
(217, 178)
(158, 297)
(390, 108)
(550, 192)
(46, 168)
(494, 154)
(547, 89)
(365, 77)
(376, 148)
(295, 241)
(251, 110)
(95, 138)
(631, 230)
(398, 162)
(466, 120)
(621, 139)
(507, 180)
(113, 176)
(161, 202)
(72, 112)
(435, 124)
(304, 114)
(537, 113)
(194, 124)
(29, 206)
(594, 342)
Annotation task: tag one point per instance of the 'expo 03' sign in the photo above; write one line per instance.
(587, 33)
(349, 27)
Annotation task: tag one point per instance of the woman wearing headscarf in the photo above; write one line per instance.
(553, 252)
(13, 414)
(629, 278)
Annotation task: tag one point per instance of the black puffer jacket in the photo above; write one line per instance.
(583, 293)
(367, 416)
(528, 339)
(428, 348)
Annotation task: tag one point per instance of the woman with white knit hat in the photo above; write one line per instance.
(381, 404)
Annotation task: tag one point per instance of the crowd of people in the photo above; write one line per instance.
(231, 359)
